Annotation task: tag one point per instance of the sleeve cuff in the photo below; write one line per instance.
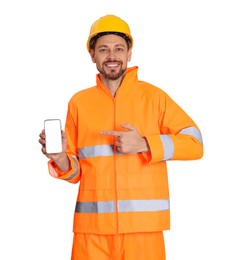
(56, 173)
(156, 149)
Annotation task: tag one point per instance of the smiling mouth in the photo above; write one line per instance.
(112, 64)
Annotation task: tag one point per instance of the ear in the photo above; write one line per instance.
(92, 55)
(129, 54)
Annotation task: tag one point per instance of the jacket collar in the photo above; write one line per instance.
(130, 77)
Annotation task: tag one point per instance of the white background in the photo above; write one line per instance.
(187, 48)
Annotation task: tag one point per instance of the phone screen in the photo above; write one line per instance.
(53, 135)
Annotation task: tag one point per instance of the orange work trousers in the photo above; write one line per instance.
(136, 246)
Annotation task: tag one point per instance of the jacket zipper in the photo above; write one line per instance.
(115, 173)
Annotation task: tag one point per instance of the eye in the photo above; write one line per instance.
(119, 49)
(102, 50)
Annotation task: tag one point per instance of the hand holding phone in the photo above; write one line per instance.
(53, 130)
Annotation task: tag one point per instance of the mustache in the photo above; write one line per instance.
(112, 60)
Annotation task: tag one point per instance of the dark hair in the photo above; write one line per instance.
(97, 36)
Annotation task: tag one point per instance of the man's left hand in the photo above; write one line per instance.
(130, 141)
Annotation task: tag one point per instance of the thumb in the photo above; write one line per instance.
(129, 127)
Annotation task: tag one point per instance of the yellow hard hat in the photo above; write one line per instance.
(109, 24)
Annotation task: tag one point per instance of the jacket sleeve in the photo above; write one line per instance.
(179, 137)
(74, 174)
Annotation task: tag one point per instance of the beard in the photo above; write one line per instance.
(112, 74)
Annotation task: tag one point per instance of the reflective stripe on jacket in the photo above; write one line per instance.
(125, 193)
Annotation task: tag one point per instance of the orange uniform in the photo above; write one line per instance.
(132, 246)
(125, 193)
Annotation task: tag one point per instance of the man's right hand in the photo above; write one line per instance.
(60, 159)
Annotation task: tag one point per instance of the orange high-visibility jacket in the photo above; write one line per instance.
(125, 193)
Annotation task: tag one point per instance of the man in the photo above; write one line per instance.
(118, 136)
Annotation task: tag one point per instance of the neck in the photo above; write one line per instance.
(112, 85)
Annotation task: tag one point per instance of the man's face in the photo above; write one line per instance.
(111, 56)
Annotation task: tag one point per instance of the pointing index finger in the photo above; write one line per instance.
(111, 132)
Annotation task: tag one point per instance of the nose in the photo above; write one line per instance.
(111, 55)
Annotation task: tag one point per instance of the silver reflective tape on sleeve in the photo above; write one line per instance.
(193, 131)
(95, 207)
(96, 150)
(168, 147)
(143, 205)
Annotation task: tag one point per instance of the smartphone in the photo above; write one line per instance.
(53, 135)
